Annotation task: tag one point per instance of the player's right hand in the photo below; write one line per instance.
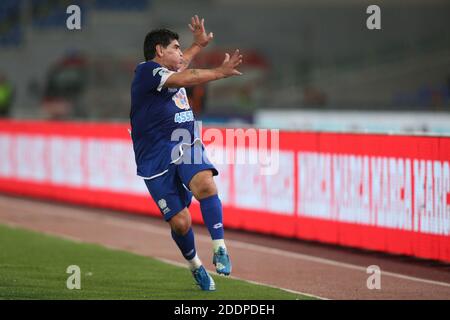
(198, 30)
(230, 64)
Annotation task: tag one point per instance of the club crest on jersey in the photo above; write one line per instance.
(181, 100)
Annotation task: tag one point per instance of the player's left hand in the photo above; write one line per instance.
(197, 27)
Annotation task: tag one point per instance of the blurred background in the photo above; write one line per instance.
(308, 65)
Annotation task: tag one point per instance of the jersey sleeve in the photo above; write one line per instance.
(156, 76)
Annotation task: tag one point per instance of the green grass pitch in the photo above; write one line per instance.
(33, 266)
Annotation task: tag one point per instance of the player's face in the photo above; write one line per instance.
(173, 56)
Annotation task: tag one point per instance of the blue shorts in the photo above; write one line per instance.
(171, 191)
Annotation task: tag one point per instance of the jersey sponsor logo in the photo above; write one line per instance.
(184, 116)
(181, 100)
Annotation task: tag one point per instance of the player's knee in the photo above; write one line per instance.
(180, 224)
(181, 227)
(203, 185)
(205, 190)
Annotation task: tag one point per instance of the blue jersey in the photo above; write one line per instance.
(156, 111)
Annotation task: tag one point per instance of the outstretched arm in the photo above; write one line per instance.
(201, 40)
(192, 77)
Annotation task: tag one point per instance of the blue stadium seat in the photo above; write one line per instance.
(10, 29)
(121, 5)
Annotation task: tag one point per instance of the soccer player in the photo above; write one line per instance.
(171, 170)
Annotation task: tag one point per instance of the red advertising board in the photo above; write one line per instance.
(379, 192)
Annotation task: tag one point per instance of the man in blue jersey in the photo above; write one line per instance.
(174, 170)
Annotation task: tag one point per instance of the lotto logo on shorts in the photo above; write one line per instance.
(163, 205)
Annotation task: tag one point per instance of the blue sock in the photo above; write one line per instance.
(211, 208)
(185, 243)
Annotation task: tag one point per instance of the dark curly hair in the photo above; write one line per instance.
(158, 36)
